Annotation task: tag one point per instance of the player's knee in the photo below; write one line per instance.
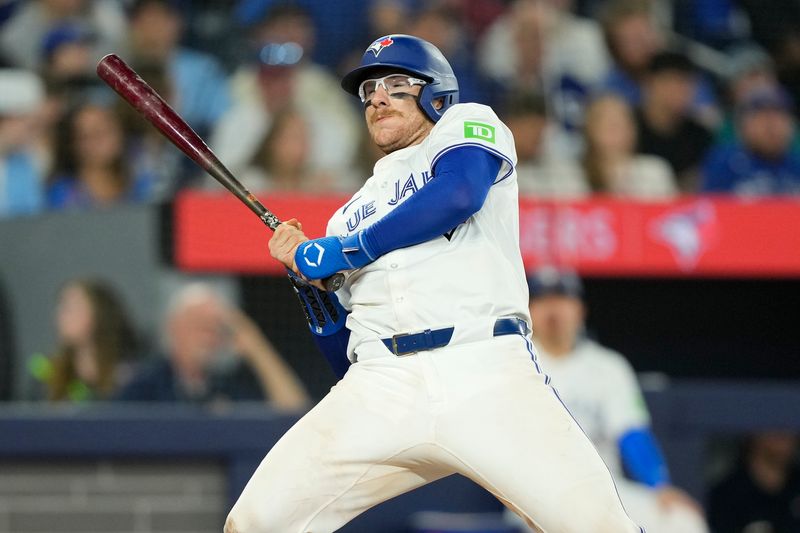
(242, 519)
(230, 525)
(240, 522)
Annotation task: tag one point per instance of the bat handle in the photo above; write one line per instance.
(334, 282)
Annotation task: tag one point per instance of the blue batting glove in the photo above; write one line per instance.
(321, 258)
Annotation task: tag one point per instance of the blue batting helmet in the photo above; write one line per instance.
(411, 55)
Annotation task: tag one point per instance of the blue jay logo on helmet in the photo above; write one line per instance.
(379, 45)
(414, 56)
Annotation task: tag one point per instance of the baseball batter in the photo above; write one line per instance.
(431, 329)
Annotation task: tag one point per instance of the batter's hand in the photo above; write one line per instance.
(287, 237)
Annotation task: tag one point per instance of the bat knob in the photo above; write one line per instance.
(334, 283)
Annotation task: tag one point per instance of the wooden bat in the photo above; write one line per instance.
(134, 90)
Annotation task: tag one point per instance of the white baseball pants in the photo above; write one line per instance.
(480, 409)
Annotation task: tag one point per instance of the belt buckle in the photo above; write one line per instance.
(395, 348)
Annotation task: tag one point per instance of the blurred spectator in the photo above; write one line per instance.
(95, 338)
(282, 161)
(540, 45)
(610, 161)
(214, 352)
(479, 14)
(541, 171)
(23, 161)
(776, 26)
(388, 16)
(762, 495)
(542, 34)
(763, 162)
(749, 67)
(634, 37)
(717, 23)
(67, 53)
(443, 27)
(600, 389)
(665, 127)
(21, 37)
(199, 87)
(68, 69)
(282, 75)
(90, 169)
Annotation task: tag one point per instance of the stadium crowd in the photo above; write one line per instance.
(644, 99)
(638, 98)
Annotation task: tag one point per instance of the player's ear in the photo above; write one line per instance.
(438, 103)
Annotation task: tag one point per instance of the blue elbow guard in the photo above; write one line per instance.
(642, 458)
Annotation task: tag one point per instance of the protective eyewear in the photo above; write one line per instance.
(392, 84)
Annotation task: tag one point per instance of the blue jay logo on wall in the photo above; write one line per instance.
(312, 254)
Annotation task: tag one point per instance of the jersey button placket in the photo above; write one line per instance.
(398, 285)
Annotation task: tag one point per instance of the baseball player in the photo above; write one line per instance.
(431, 328)
(600, 388)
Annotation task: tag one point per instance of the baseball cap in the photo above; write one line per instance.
(549, 281)
(764, 98)
(64, 34)
(22, 90)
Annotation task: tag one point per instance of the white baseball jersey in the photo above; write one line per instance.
(478, 406)
(435, 284)
(600, 389)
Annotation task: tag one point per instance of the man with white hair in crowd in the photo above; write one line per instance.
(214, 352)
(23, 159)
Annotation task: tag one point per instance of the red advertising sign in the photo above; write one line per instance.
(693, 236)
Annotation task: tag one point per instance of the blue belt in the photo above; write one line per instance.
(406, 343)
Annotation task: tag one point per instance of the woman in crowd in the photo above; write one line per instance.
(90, 168)
(282, 161)
(610, 162)
(95, 337)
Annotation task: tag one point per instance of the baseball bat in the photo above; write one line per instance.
(134, 90)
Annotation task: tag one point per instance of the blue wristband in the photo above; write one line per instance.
(320, 258)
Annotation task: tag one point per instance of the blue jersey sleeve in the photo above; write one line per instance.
(462, 178)
(461, 182)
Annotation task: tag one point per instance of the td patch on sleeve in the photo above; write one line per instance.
(479, 130)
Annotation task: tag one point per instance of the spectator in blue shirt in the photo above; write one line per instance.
(763, 162)
(200, 86)
(21, 160)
